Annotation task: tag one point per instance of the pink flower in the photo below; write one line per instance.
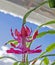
(23, 37)
(23, 50)
(25, 32)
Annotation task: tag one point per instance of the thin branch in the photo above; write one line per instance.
(28, 13)
(43, 57)
(47, 55)
(9, 58)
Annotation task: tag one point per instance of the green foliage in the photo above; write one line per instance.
(22, 63)
(53, 63)
(46, 61)
(50, 47)
(48, 23)
(28, 44)
(44, 33)
(42, 53)
(16, 63)
(12, 41)
(30, 11)
(51, 3)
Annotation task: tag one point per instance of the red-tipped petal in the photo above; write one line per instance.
(10, 51)
(35, 34)
(13, 35)
(13, 45)
(38, 47)
(17, 33)
(34, 51)
(28, 31)
(14, 51)
(23, 32)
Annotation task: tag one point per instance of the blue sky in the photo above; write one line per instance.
(7, 22)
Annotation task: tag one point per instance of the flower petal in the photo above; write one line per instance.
(13, 45)
(38, 47)
(28, 31)
(13, 35)
(23, 32)
(17, 33)
(14, 51)
(34, 51)
(19, 38)
(28, 40)
(35, 34)
(10, 51)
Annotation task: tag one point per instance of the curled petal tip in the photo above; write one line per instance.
(38, 46)
(13, 45)
(35, 34)
(11, 29)
(28, 30)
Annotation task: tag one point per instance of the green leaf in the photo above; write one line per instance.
(53, 63)
(22, 63)
(12, 41)
(28, 44)
(51, 3)
(50, 47)
(44, 33)
(16, 63)
(48, 23)
(46, 61)
(41, 34)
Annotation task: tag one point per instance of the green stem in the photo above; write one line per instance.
(27, 63)
(47, 55)
(28, 13)
(9, 58)
(38, 57)
(42, 53)
(41, 62)
(43, 57)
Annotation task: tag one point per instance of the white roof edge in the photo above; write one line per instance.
(19, 11)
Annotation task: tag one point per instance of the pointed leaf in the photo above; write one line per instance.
(48, 23)
(12, 41)
(46, 61)
(41, 34)
(28, 44)
(44, 33)
(50, 47)
(16, 63)
(51, 3)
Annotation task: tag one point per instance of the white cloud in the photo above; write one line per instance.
(3, 53)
